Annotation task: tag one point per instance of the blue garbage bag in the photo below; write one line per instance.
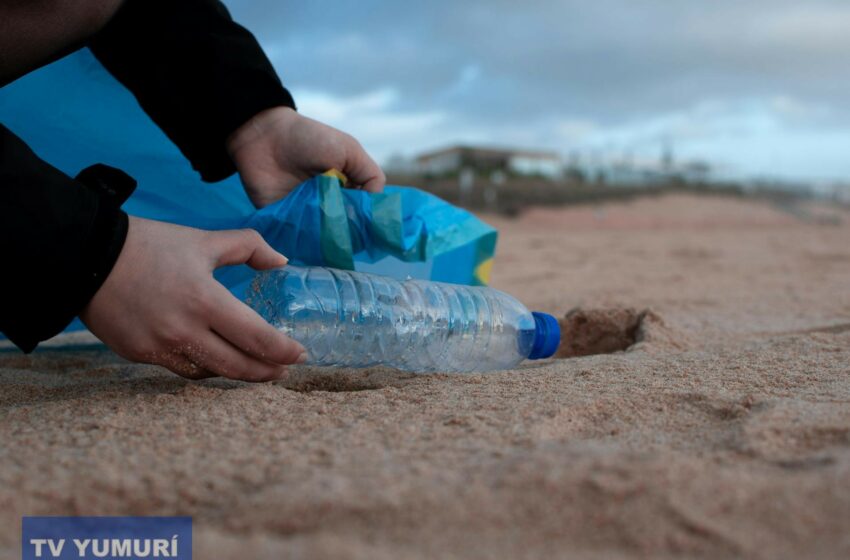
(402, 232)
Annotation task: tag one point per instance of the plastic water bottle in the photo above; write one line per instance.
(354, 319)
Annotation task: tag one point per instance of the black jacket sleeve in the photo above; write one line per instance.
(59, 238)
(199, 76)
(197, 73)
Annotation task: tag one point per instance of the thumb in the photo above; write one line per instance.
(245, 246)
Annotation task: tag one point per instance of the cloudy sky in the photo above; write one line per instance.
(755, 87)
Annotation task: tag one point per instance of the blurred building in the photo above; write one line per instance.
(630, 171)
(452, 160)
(400, 165)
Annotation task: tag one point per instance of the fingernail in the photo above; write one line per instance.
(301, 358)
(285, 260)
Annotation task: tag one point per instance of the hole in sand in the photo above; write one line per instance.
(585, 332)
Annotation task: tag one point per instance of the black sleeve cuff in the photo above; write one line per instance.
(60, 238)
(197, 73)
(109, 228)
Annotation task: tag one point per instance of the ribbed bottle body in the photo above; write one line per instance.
(347, 318)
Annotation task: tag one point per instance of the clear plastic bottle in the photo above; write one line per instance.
(346, 318)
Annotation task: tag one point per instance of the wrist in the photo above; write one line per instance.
(258, 126)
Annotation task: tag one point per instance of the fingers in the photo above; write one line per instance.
(235, 321)
(245, 329)
(214, 354)
(245, 246)
(230, 340)
(361, 169)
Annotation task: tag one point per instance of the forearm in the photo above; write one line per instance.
(35, 32)
(196, 72)
(59, 238)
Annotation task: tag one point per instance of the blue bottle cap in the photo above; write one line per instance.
(547, 336)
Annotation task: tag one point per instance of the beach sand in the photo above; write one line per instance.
(722, 431)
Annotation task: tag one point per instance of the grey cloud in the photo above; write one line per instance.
(605, 59)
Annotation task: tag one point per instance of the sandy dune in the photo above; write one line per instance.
(722, 432)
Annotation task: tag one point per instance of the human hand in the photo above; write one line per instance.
(161, 305)
(278, 149)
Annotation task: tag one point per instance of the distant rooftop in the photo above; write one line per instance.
(488, 153)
